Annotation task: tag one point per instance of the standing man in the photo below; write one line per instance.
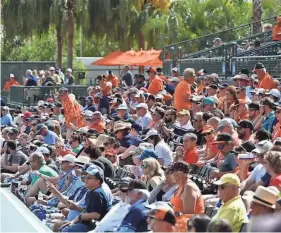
(265, 80)
(183, 90)
(156, 83)
(69, 79)
(10, 82)
(30, 80)
(127, 76)
(72, 109)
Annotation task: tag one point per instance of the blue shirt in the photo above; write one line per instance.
(135, 220)
(50, 138)
(7, 119)
(248, 91)
(31, 81)
(267, 123)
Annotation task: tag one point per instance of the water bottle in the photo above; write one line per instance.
(40, 196)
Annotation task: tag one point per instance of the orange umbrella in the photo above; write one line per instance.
(107, 60)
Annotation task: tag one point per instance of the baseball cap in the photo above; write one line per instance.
(175, 79)
(216, 39)
(175, 69)
(213, 86)
(81, 160)
(263, 146)
(88, 113)
(208, 100)
(246, 146)
(151, 69)
(68, 158)
(275, 93)
(69, 70)
(223, 137)
(146, 146)
(263, 134)
(40, 127)
(43, 150)
(147, 154)
(223, 85)
(254, 106)
(151, 132)
(27, 115)
(229, 178)
(95, 171)
(159, 96)
(11, 75)
(6, 108)
(246, 124)
(159, 69)
(135, 184)
(224, 122)
(142, 105)
(122, 107)
(258, 66)
(163, 214)
(207, 129)
(196, 98)
(52, 68)
(13, 130)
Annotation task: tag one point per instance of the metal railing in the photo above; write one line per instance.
(27, 96)
(271, 48)
(200, 43)
(272, 64)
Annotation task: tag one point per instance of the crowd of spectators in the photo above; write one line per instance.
(149, 153)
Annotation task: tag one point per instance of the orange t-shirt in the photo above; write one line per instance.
(191, 156)
(155, 86)
(276, 131)
(276, 182)
(10, 83)
(200, 89)
(115, 81)
(180, 101)
(275, 31)
(66, 152)
(267, 82)
(213, 148)
(100, 127)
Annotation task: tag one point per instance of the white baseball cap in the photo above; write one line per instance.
(175, 79)
(151, 132)
(68, 158)
(11, 75)
(43, 150)
(175, 69)
(263, 146)
(275, 93)
(69, 70)
(142, 105)
(82, 160)
(109, 84)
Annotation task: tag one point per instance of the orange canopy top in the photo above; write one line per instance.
(131, 57)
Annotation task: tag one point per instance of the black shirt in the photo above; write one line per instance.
(108, 167)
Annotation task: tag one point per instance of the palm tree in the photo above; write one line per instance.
(257, 16)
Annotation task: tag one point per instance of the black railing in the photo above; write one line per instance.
(272, 64)
(270, 48)
(27, 96)
(173, 51)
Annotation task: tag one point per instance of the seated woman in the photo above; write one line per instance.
(187, 198)
(165, 190)
(153, 174)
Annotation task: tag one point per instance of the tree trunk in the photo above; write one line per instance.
(151, 41)
(70, 31)
(59, 45)
(257, 16)
(141, 41)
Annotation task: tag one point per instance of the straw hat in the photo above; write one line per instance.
(121, 125)
(265, 196)
(101, 139)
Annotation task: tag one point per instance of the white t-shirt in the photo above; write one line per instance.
(113, 218)
(164, 152)
(187, 126)
(258, 172)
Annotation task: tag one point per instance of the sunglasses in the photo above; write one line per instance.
(207, 134)
(144, 165)
(88, 119)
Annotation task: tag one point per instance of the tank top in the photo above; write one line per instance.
(178, 204)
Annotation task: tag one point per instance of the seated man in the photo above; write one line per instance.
(190, 155)
(225, 162)
(233, 209)
(11, 159)
(136, 219)
(98, 202)
(40, 174)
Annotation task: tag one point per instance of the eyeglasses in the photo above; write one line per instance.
(88, 119)
(207, 134)
(222, 187)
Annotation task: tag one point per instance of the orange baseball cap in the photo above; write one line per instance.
(207, 129)
(163, 214)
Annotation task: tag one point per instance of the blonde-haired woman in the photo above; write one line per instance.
(153, 173)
